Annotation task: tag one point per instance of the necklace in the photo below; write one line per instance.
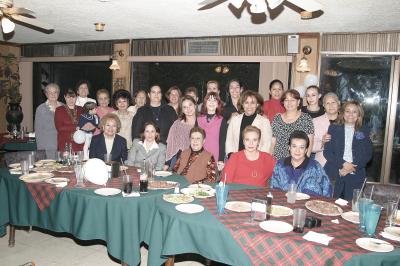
(72, 114)
(156, 112)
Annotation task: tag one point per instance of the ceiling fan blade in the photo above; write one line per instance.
(207, 2)
(307, 5)
(33, 22)
(18, 10)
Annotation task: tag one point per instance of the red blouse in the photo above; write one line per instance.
(239, 169)
(272, 107)
(66, 128)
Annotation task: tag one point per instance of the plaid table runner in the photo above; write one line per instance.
(6, 138)
(44, 193)
(265, 248)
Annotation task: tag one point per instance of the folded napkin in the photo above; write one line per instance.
(62, 184)
(318, 238)
(336, 221)
(133, 194)
(31, 134)
(341, 202)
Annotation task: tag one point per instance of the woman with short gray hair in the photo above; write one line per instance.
(45, 129)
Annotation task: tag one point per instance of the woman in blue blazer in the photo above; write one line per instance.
(348, 151)
(109, 141)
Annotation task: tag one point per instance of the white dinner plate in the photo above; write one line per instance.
(373, 244)
(278, 227)
(35, 177)
(238, 206)
(202, 186)
(301, 196)
(397, 220)
(280, 211)
(189, 208)
(107, 191)
(46, 161)
(198, 192)
(390, 236)
(56, 180)
(352, 217)
(163, 173)
(14, 165)
(394, 231)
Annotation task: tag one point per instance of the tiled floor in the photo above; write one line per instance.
(47, 250)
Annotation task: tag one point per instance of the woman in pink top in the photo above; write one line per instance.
(103, 108)
(331, 104)
(249, 166)
(214, 124)
(274, 105)
(178, 135)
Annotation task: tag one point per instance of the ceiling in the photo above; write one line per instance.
(132, 19)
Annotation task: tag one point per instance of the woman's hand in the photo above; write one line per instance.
(88, 127)
(326, 138)
(165, 167)
(349, 167)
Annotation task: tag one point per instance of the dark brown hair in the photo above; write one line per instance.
(252, 94)
(295, 94)
(220, 107)
(359, 122)
(182, 116)
(199, 130)
(151, 123)
(173, 88)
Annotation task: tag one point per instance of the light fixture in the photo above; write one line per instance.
(303, 65)
(7, 25)
(305, 15)
(99, 26)
(223, 69)
(114, 64)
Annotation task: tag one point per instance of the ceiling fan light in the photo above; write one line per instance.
(7, 25)
(114, 65)
(236, 3)
(274, 3)
(305, 15)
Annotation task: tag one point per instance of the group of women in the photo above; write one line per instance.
(272, 143)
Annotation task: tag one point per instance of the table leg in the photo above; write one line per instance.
(170, 261)
(11, 239)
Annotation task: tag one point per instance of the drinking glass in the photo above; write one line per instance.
(258, 210)
(24, 167)
(291, 194)
(363, 204)
(107, 157)
(391, 208)
(372, 215)
(150, 171)
(79, 175)
(354, 203)
(221, 195)
(115, 167)
(31, 158)
(143, 182)
(80, 155)
(299, 219)
(127, 184)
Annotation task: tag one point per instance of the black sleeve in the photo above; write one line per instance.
(222, 137)
(137, 123)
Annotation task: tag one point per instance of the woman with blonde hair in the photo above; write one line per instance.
(348, 151)
(109, 142)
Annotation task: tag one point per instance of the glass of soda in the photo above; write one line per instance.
(127, 184)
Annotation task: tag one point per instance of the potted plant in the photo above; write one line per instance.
(9, 90)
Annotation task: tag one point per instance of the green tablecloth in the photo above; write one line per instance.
(124, 223)
(19, 146)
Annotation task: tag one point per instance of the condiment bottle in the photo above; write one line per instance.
(269, 205)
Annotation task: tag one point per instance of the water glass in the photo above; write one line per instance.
(363, 204)
(372, 215)
(31, 159)
(291, 194)
(391, 209)
(79, 175)
(354, 203)
(258, 210)
(221, 195)
(127, 184)
(24, 167)
(115, 167)
(299, 219)
(107, 157)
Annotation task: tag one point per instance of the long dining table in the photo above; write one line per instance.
(125, 223)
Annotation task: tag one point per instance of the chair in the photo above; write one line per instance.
(18, 156)
(382, 192)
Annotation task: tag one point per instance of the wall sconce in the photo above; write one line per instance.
(114, 65)
(223, 69)
(303, 65)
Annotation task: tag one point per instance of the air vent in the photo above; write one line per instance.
(64, 49)
(203, 47)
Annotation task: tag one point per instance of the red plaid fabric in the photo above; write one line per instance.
(44, 193)
(265, 248)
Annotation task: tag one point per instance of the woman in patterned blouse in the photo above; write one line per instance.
(284, 124)
(195, 163)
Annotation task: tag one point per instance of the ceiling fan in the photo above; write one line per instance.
(10, 14)
(260, 6)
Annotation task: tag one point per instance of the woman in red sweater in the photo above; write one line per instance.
(249, 166)
(274, 106)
